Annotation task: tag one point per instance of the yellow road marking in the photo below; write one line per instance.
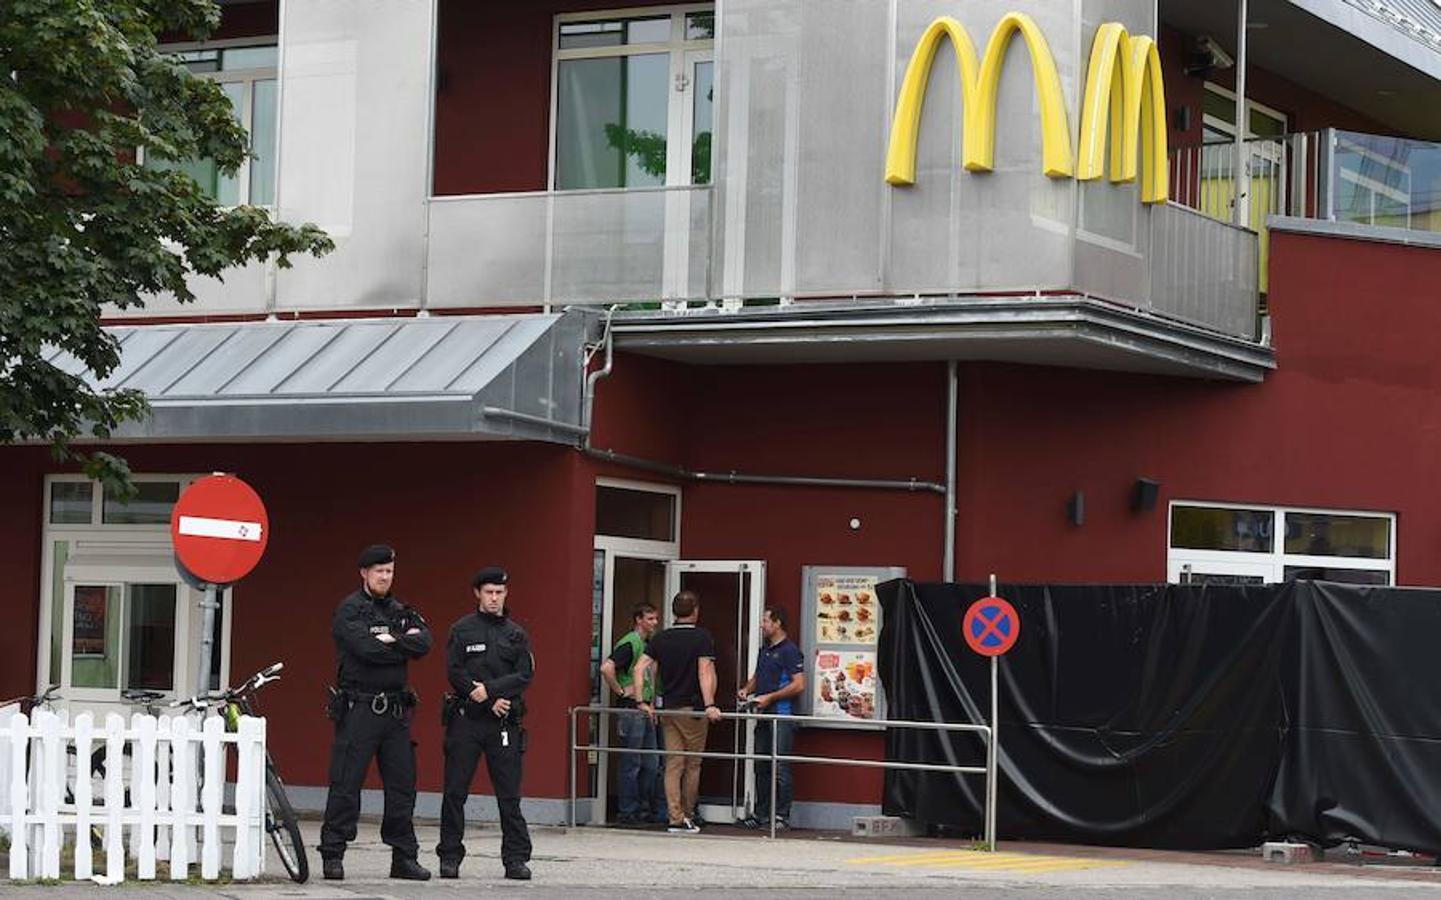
(936, 854)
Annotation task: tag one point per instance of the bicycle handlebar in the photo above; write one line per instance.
(250, 685)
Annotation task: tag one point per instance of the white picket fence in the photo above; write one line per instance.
(167, 794)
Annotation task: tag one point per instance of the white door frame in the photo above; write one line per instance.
(754, 600)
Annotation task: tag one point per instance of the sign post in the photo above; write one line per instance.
(990, 628)
(219, 529)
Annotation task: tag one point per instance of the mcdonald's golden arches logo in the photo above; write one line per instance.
(1124, 98)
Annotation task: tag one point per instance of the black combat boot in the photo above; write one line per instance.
(517, 871)
(408, 868)
(450, 868)
(334, 868)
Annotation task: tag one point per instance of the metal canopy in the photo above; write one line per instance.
(357, 379)
(1068, 331)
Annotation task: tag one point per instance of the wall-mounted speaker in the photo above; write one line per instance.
(1144, 496)
(1076, 508)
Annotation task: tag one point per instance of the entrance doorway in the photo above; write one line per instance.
(637, 532)
(732, 595)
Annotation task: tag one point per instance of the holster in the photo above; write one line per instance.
(450, 705)
(337, 703)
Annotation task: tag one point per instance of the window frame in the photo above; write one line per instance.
(1252, 106)
(1276, 561)
(679, 56)
(122, 539)
(247, 78)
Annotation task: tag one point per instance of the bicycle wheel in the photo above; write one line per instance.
(284, 830)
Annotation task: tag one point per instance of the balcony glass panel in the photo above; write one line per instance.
(1386, 181)
(569, 247)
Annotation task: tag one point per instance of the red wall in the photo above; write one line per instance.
(1348, 420)
(448, 509)
(492, 102)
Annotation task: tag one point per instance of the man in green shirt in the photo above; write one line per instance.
(642, 794)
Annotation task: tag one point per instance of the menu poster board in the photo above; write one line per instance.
(847, 611)
(840, 631)
(88, 636)
(845, 685)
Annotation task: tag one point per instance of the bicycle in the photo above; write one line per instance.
(280, 819)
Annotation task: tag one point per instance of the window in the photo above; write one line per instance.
(115, 613)
(633, 99)
(76, 501)
(1231, 544)
(247, 75)
(631, 513)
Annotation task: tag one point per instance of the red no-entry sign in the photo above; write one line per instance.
(219, 529)
(991, 626)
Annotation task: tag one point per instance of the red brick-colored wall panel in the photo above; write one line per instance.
(448, 509)
(492, 103)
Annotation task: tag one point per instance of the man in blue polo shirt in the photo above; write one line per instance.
(779, 678)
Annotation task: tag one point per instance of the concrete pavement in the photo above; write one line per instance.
(600, 864)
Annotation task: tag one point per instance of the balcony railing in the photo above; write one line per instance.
(602, 246)
(1342, 176)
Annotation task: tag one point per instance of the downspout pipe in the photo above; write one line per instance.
(594, 378)
(948, 556)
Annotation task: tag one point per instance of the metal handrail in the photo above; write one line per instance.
(983, 731)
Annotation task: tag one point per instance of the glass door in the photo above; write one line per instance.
(732, 598)
(122, 635)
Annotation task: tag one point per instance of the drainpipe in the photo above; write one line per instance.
(593, 378)
(948, 557)
(1242, 187)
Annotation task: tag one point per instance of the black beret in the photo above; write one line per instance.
(489, 575)
(375, 555)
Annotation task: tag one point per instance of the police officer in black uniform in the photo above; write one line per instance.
(376, 637)
(489, 666)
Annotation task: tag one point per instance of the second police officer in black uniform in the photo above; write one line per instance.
(376, 637)
(489, 665)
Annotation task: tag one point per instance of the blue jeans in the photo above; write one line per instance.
(642, 793)
(785, 743)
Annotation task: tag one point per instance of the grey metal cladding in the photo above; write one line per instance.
(353, 379)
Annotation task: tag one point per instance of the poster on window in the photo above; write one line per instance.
(88, 635)
(846, 610)
(844, 686)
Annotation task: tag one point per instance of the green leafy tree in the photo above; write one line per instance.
(83, 226)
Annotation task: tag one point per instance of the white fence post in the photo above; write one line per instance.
(164, 812)
(84, 735)
(19, 798)
(144, 786)
(182, 798)
(210, 797)
(114, 798)
(7, 715)
(250, 772)
(52, 784)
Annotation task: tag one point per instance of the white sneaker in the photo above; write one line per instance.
(686, 826)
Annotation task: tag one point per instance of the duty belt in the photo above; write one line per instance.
(380, 703)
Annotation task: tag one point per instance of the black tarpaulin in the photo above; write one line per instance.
(1178, 716)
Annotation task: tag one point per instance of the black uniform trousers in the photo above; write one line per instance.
(501, 742)
(361, 736)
